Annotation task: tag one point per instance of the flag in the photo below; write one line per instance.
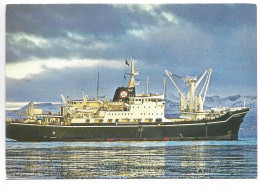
(124, 77)
(126, 62)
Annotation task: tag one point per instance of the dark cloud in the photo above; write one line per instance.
(55, 20)
(220, 36)
(216, 17)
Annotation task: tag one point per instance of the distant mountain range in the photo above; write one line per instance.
(248, 127)
(172, 102)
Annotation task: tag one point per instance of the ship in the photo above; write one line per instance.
(132, 117)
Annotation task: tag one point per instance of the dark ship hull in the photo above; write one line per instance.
(225, 127)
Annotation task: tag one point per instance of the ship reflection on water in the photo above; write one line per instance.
(130, 160)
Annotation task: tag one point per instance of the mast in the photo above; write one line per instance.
(83, 94)
(147, 85)
(131, 82)
(164, 86)
(191, 82)
(97, 85)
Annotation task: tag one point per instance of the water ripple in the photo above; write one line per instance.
(69, 160)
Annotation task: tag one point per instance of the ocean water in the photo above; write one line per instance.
(169, 159)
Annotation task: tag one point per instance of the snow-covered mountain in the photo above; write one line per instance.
(172, 102)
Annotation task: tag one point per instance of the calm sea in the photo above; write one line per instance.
(172, 159)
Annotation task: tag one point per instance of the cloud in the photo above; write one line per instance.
(216, 17)
(50, 83)
(52, 20)
(36, 41)
(186, 39)
(36, 66)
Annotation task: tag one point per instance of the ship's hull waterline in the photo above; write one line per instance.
(221, 129)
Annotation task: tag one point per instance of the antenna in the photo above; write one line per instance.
(147, 85)
(97, 84)
(83, 94)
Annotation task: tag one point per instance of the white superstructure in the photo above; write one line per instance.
(128, 109)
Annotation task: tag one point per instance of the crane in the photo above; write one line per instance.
(65, 102)
(193, 83)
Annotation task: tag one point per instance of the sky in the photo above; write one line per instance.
(56, 49)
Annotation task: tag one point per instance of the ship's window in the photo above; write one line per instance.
(152, 113)
(138, 106)
(131, 113)
(112, 114)
(162, 113)
(144, 106)
(133, 107)
(128, 113)
(149, 113)
(144, 113)
(140, 99)
(157, 113)
(149, 106)
(141, 113)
